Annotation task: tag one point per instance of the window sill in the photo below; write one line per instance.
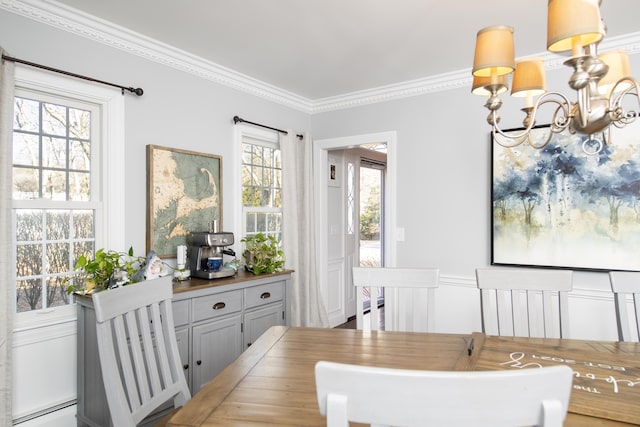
(42, 325)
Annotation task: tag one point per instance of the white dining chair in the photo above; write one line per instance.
(139, 358)
(406, 398)
(409, 295)
(525, 302)
(626, 290)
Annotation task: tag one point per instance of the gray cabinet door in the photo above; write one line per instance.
(215, 345)
(257, 321)
(182, 337)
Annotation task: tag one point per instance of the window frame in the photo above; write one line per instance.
(45, 204)
(256, 136)
(109, 214)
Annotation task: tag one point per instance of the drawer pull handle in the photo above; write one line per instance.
(265, 295)
(199, 362)
(219, 306)
(185, 366)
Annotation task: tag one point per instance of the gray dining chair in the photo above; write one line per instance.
(138, 350)
(400, 397)
(525, 302)
(409, 295)
(626, 290)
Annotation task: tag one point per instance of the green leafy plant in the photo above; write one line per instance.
(263, 254)
(98, 273)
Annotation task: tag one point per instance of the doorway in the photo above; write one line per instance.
(371, 213)
(336, 260)
(371, 235)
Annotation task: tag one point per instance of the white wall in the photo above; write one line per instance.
(443, 200)
(177, 110)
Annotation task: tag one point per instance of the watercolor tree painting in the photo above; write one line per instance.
(559, 207)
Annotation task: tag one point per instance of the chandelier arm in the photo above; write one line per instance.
(557, 125)
(544, 144)
(559, 122)
(524, 133)
(503, 139)
(633, 86)
(619, 116)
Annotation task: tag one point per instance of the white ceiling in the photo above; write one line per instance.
(324, 48)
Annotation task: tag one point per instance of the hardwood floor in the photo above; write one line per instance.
(351, 323)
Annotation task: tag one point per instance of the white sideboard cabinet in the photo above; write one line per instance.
(215, 321)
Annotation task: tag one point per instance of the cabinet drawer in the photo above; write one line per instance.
(180, 312)
(216, 305)
(256, 296)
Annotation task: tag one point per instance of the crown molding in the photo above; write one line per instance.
(454, 80)
(71, 20)
(439, 83)
(68, 19)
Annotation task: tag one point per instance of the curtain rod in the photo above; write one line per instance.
(237, 120)
(137, 91)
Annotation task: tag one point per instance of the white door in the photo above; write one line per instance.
(335, 264)
(350, 213)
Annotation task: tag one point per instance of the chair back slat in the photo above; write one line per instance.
(126, 365)
(626, 289)
(164, 372)
(138, 350)
(524, 302)
(409, 295)
(383, 396)
(145, 355)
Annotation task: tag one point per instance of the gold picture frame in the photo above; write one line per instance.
(184, 195)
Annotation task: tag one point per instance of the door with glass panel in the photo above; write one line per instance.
(371, 220)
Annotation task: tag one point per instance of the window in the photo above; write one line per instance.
(53, 194)
(67, 200)
(261, 186)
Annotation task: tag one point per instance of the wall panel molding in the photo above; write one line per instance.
(576, 293)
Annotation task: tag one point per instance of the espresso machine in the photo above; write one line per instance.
(207, 253)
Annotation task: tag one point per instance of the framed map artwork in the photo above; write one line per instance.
(184, 195)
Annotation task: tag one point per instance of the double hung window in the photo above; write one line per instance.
(68, 194)
(261, 186)
(55, 194)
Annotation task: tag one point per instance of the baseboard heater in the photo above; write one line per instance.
(43, 412)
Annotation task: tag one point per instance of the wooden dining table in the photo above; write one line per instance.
(272, 383)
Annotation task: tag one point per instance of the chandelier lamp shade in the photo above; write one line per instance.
(482, 85)
(574, 27)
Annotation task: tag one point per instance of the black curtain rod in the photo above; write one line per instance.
(137, 91)
(237, 120)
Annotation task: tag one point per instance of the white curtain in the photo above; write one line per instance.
(6, 259)
(307, 307)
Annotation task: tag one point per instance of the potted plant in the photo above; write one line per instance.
(106, 269)
(262, 254)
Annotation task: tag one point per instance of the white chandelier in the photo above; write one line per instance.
(600, 81)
